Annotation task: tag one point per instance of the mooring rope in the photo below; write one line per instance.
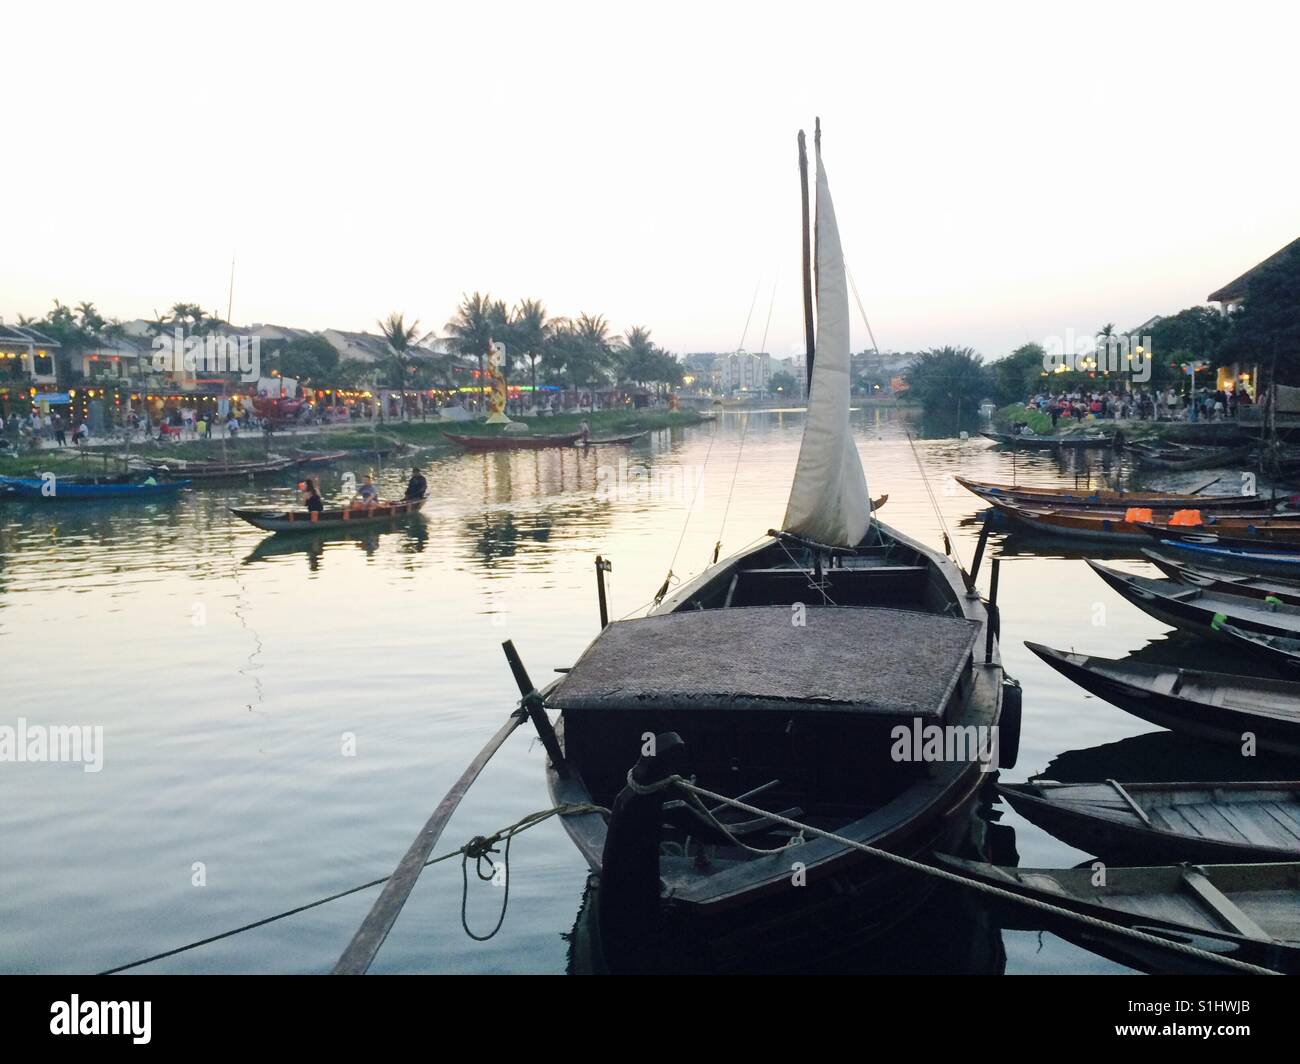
(520, 826)
(691, 788)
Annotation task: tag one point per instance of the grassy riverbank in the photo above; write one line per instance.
(361, 439)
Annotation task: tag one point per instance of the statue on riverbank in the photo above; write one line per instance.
(497, 394)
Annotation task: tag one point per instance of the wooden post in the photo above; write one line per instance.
(532, 705)
(992, 624)
(602, 567)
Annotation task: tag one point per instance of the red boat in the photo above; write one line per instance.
(513, 442)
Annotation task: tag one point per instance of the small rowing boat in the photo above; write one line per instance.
(315, 459)
(344, 518)
(1207, 705)
(1225, 580)
(513, 442)
(1246, 912)
(88, 489)
(1181, 456)
(614, 439)
(1134, 525)
(1232, 823)
(1270, 560)
(1098, 498)
(212, 470)
(1199, 611)
(1032, 442)
(1281, 650)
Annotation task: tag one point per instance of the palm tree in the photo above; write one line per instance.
(479, 319)
(529, 328)
(635, 356)
(400, 337)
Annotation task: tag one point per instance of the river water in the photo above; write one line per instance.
(280, 716)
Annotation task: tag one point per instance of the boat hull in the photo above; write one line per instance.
(328, 520)
(521, 441)
(64, 491)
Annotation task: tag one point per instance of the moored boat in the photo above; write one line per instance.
(1280, 650)
(1093, 498)
(800, 717)
(1229, 823)
(1034, 442)
(1198, 610)
(1243, 912)
(1226, 580)
(1215, 706)
(202, 470)
(1137, 524)
(316, 459)
(89, 489)
(513, 441)
(1257, 560)
(1184, 457)
(341, 518)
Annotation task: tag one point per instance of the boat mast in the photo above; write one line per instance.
(807, 256)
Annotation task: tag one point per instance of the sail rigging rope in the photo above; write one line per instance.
(948, 547)
(744, 429)
(861, 309)
(473, 848)
(691, 789)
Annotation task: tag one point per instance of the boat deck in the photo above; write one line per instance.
(896, 663)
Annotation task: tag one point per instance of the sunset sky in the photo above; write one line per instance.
(1002, 173)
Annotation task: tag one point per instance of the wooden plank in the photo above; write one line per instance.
(359, 955)
(1222, 906)
(1128, 798)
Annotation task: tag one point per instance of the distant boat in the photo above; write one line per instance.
(1076, 498)
(1225, 580)
(614, 439)
(313, 459)
(76, 489)
(1033, 442)
(216, 470)
(1181, 456)
(305, 521)
(513, 441)
(1157, 822)
(1248, 912)
(1215, 706)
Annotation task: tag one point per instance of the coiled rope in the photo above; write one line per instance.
(689, 788)
(478, 847)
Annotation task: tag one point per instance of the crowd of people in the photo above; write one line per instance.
(1165, 404)
(35, 428)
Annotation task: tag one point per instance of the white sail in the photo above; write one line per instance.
(828, 501)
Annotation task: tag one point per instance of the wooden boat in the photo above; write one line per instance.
(1225, 580)
(800, 717)
(1194, 609)
(1207, 549)
(89, 489)
(514, 441)
(315, 459)
(1208, 705)
(345, 518)
(1246, 912)
(1113, 526)
(1228, 823)
(1093, 498)
(614, 439)
(214, 470)
(1181, 456)
(1274, 534)
(1032, 442)
(1281, 650)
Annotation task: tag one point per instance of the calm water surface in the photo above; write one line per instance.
(228, 670)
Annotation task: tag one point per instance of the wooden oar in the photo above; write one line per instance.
(359, 955)
(1207, 484)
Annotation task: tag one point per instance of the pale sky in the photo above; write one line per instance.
(1001, 172)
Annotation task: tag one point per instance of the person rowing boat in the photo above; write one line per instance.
(417, 487)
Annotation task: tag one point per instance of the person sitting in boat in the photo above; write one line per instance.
(417, 487)
(368, 494)
(311, 497)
